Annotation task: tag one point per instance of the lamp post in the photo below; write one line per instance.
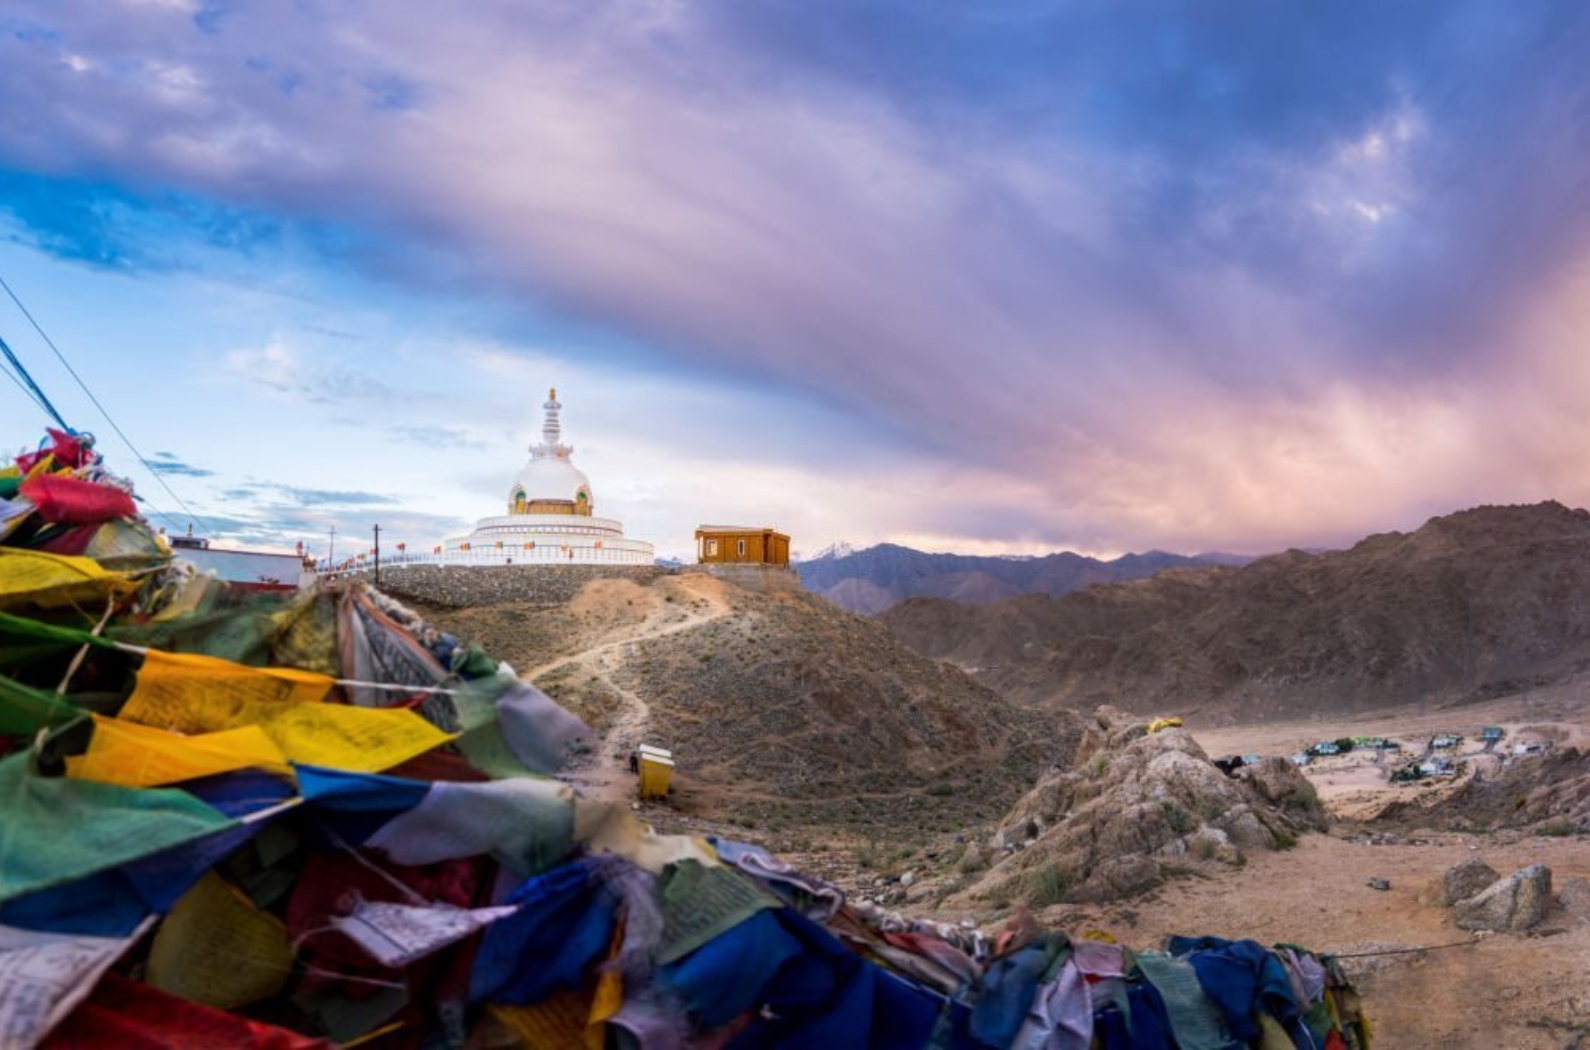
(378, 555)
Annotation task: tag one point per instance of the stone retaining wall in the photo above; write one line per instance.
(761, 578)
(466, 586)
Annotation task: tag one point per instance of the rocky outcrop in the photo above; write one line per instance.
(1513, 904)
(1135, 807)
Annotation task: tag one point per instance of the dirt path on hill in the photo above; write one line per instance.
(606, 776)
(672, 621)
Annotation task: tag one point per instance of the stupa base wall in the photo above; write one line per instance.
(463, 586)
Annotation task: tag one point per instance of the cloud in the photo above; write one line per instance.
(286, 531)
(1222, 276)
(280, 496)
(168, 463)
(439, 437)
(324, 498)
(281, 368)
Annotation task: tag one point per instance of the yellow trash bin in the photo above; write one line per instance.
(656, 770)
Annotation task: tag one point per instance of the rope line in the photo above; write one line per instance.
(31, 388)
(1402, 951)
(27, 393)
(161, 481)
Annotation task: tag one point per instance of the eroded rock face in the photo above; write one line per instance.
(1462, 881)
(1513, 904)
(1134, 807)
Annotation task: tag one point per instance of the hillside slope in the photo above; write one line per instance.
(1470, 605)
(872, 580)
(781, 709)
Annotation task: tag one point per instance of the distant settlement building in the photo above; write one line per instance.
(550, 516)
(247, 570)
(741, 545)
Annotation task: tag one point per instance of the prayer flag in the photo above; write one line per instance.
(74, 501)
(218, 949)
(397, 934)
(109, 826)
(43, 976)
(25, 710)
(169, 681)
(141, 756)
(29, 577)
(129, 1014)
(339, 736)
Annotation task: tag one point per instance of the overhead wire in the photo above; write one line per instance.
(160, 480)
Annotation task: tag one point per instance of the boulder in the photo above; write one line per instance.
(1244, 827)
(1121, 877)
(1460, 882)
(1514, 904)
(1210, 843)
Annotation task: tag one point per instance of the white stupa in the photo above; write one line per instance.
(550, 519)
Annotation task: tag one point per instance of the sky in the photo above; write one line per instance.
(1006, 277)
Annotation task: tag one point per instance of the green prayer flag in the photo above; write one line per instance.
(25, 710)
(27, 627)
(701, 901)
(481, 740)
(57, 830)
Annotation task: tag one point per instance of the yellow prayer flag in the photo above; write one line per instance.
(608, 998)
(39, 578)
(168, 682)
(141, 756)
(359, 739)
(555, 1023)
(203, 694)
(218, 949)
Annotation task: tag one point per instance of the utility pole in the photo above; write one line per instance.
(378, 555)
(331, 549)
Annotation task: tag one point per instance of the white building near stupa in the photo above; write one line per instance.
(550, 518)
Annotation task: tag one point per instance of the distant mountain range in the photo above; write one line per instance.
(872, 580)
(1478, 603)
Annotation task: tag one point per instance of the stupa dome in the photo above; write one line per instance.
(548, 519)
(551, 478)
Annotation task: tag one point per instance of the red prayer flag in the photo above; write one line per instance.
(130, 1015)
(67, 450)
(73, 501)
